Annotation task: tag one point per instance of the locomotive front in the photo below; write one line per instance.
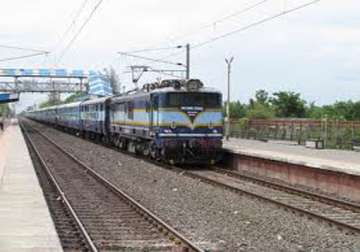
(189, 123)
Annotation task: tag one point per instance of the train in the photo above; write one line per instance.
(176, 121)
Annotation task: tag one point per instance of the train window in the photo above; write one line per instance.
(212, 100)
(130, 110)
(175, 99)
(194, 99)
(101, 107)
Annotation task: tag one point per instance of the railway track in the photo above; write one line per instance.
(108, 218)
(70, 235)
(342, 214)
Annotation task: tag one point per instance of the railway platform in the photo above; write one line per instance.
(336, 160)
(332, 171)
(25, 221)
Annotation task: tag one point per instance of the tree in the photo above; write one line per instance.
(262, 97)
(343, 110)
(313, 111)
(260, 111)
(355, 113)
(74, 97)
(237, 109)
(49, 103)
(288, 104)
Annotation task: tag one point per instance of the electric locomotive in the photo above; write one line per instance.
(179, 121)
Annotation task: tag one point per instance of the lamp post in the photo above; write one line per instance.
(227, 119)
(187, 61)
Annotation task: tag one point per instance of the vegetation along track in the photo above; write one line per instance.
(345, 215)
(108, 217)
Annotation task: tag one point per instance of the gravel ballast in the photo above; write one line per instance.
(212, 217)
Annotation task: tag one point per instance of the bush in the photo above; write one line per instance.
(260, 111)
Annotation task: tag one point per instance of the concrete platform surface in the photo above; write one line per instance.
(25, 221)
(336, 160)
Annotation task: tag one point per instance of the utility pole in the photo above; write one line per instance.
(187, 61)
(227, 119)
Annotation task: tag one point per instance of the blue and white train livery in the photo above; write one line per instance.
(178, 121)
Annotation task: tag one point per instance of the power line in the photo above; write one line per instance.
(24, 56)
(243, 28)
(73, 22)
(168, 74)
(151, 59)
(221, 20)
(237, 13)
(156, 49)
(24, 49)
(216, 21)
(171, 55)
(255, 24)
(80, 30)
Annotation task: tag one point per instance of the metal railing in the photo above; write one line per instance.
(339, 134)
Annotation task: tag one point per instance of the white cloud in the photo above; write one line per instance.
(305, 51)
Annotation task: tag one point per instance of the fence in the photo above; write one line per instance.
(335, 133)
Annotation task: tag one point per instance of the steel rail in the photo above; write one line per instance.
(274, 201)
(82, 228)
(291, 189)
(163, 227)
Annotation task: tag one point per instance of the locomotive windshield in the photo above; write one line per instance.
(206, 100)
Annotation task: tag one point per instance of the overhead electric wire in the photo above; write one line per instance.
(169, 74)
(22, 57)
(220, 20)
(216, 21)
(151, 59)
(166, 72)
(171, 55)
(80, 30)
(73, 22)
(237, 13)
(255, 24)
(243, 28)
(162, 71)
(24, 49)
(156, 49)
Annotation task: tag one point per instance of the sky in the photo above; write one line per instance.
(314, 51)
